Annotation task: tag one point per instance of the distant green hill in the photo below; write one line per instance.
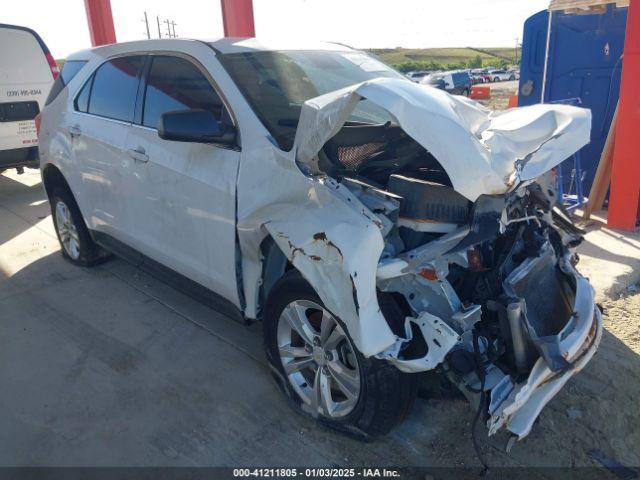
(406, 59)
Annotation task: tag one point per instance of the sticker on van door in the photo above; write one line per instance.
(27, 129)
(24, 92)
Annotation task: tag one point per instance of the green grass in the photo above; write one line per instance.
(413, 57)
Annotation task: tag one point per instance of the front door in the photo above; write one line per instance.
(103, 112)
(184, 194)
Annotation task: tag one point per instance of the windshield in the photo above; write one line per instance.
(276, 84)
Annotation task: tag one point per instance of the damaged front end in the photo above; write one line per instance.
(497, 305)
(475, 277)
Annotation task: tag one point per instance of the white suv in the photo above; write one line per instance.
(379, 228)
(500, 75)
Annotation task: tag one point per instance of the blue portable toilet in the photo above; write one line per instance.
(573, 52)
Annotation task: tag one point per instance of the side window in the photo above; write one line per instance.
(175, 83)
(82, 100)
(69, 70)
(115, 84)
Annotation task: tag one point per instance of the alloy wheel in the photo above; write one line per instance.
(67, 230)
(318, 358)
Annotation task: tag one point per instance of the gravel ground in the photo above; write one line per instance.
(500, 92)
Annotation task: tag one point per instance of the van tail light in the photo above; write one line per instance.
(38, 121)
(55, 71)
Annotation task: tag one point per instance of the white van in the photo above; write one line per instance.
(27, 71)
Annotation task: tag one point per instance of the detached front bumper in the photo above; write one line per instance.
(516, 407)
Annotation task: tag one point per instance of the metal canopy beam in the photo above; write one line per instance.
(237, 18)
(100, 20)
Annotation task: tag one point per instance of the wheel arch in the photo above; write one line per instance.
(274, 265)
(52, 177)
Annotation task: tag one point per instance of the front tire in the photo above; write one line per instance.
(317, 366)
(75, 242)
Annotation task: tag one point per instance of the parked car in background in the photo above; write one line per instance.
(27, 71)
(378, 228)
(515, 73)
(499, 75)
(416, 76)
(456, 82)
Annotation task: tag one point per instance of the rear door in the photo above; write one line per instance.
(183, 195)
(103, 112)
(25, 79)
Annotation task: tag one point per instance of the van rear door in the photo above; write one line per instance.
(26, 74)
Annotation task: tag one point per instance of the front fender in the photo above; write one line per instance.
(336, 249)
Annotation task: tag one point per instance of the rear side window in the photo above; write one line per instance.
(176, 84)
(82, 100)
(113, 93)
(69, 70)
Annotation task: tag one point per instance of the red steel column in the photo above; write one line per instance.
(237, 17)
(624, 198)
(100, 22)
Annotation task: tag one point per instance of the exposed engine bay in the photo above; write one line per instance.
(484, 291)
(437, 239)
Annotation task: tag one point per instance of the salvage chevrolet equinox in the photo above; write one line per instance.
(377, 227)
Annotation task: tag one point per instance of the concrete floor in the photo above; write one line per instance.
(108, 366)
(609, 258)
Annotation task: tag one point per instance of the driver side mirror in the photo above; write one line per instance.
(193, 125)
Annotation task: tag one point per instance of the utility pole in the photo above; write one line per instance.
(517, 50)
(146, 22)
(159, 32)
(173, 27)
(168, 28)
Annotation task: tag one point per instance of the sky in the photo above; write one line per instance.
(358, 23)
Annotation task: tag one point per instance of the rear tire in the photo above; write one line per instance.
(383, 394)
(75, 242)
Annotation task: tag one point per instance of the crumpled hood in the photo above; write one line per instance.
(483, 152)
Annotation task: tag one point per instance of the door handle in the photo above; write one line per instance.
(74, 130)
(138, 154)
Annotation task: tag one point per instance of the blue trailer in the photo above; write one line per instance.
(575, 56)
